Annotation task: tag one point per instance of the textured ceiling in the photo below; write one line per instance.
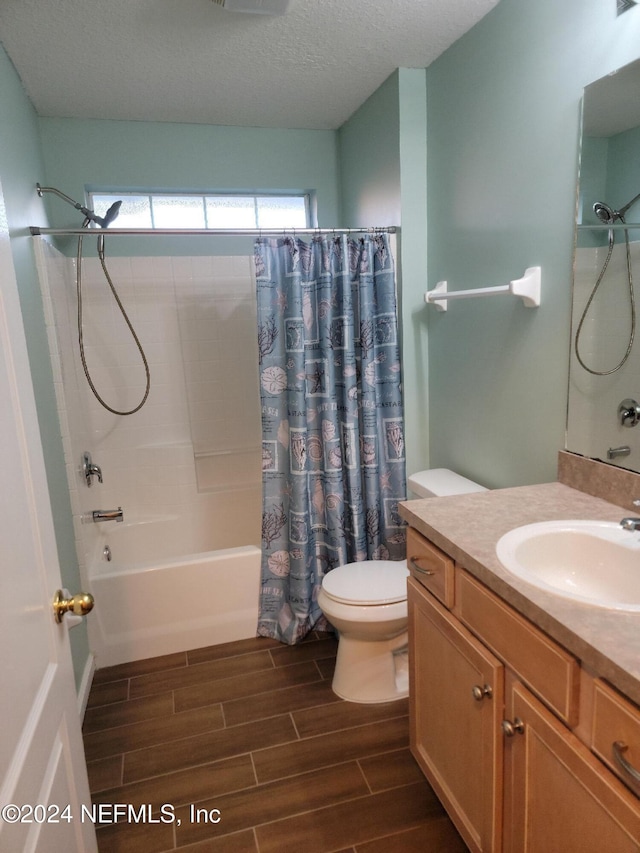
(193, 61)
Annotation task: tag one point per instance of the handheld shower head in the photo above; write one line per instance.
(110, 215)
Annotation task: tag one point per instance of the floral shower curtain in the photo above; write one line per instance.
(332, 419)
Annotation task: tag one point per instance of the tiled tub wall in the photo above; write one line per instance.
(594, 425)
(193, 450)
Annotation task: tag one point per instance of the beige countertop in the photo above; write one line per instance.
(467, 527)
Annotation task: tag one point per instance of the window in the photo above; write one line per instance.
(190, 210)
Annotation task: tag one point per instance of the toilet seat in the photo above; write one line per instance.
(369, 582)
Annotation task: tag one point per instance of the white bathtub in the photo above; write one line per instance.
(167, 604)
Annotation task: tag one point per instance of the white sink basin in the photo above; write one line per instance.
(597, 562)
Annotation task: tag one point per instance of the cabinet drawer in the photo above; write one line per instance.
(616, 733)
(549, 671)
(430, 567)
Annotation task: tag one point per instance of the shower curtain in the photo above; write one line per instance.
(332, 419)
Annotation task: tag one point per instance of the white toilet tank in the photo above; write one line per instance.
(439, 482)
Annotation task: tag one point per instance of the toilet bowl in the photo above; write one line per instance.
(366, 602)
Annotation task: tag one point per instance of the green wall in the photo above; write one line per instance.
(20, 165)
(369, 154)
(89, 154)
(383, 159)
(503, 108)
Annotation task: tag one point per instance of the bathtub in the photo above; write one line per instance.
(167, 603)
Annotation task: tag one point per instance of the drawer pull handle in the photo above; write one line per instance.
(479, 693)
(512, 728)
(619, 748)
(413, 562)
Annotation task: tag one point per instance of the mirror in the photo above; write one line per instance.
(603, 415)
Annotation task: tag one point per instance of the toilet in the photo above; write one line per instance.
(366, 602)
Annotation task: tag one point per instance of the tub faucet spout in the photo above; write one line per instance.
(630, 523)
(108, 514)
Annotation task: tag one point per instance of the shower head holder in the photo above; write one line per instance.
(89, 215)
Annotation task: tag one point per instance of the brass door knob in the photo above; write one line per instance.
(79, 604)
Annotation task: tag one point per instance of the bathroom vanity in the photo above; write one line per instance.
(523, 705)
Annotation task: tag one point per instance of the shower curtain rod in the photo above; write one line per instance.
(36, 231)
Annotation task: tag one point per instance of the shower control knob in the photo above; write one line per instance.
(629, 413)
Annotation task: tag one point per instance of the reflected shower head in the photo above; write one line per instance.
(608, 215)
(89, 215)
(605, 213)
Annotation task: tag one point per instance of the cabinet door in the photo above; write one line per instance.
(558, 797)
(455, 734)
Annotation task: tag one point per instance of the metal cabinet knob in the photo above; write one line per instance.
(479, 693)
(79, 604)
(510, 729)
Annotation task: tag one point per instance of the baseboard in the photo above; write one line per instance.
(85, 685)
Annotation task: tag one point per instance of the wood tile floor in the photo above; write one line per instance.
(251, 752)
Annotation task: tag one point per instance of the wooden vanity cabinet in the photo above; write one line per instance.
(557, 795)
(457, 697)
(494, 716)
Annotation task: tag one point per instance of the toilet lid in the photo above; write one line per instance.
(368, 582)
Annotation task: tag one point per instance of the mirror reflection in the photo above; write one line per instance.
(603, 419)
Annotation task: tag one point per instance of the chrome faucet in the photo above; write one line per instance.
(614, 452)
(108, 514)
(630, 523)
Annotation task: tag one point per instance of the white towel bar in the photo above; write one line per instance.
(527, 288)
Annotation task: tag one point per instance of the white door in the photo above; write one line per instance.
(42, 767)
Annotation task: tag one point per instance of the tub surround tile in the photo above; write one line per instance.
(325, 763)
(468, 527)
